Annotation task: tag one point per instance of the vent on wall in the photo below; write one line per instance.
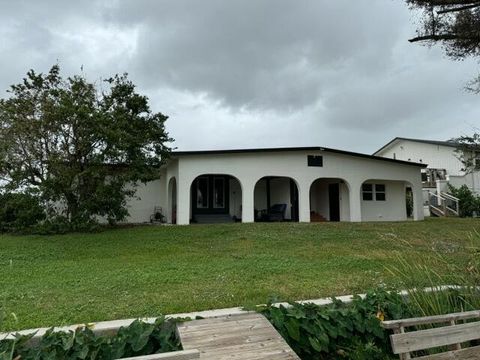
(315, 160)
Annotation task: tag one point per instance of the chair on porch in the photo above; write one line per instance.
(157, 216)
(274, 213)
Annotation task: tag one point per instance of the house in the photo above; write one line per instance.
(292, 184)
(444, 166)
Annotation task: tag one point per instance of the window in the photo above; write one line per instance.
(380, 192)
(218, 193)
(202, 192)
(375, 192)
(315, 160)
(424, 176)
(367, 192)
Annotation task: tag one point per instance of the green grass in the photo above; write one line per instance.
(146, 271)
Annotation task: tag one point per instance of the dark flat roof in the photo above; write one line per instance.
(432, 142)
(285, 149)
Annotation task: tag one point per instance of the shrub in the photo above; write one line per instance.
(19, 212)
(137, 339)
(61, 225)
(469, 202)
(339, 330)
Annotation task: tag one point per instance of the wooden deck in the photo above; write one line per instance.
(242, 337)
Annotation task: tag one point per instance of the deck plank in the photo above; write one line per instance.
(241, 337)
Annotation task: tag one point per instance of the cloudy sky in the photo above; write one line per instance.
(254, 73)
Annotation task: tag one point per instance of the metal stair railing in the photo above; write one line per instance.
(443, 204)
(452, 203)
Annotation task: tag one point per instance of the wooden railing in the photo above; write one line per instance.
(454, 332)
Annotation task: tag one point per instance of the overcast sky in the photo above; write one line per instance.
(254, 73)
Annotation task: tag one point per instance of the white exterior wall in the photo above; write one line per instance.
(146, 198)
(344, 203)
(435, 156)
(235, 198)
(394, 207)
(472, 180)
(248, 168)
(319, 201)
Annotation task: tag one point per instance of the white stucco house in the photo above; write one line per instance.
(441, 158)
(293, 184)
(443, 165)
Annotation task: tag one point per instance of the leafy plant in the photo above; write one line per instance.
(339, 330)
(139, 338)
(469, 202)
(19, 212)
(80, 145)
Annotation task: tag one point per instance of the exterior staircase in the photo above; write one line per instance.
(443, 204)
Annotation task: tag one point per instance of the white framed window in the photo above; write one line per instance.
(367, 192)
(374, 192)
(380, 194)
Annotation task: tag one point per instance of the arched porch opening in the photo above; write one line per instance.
(329, 200)
(276, 199)
(172, 201)
(216, 198)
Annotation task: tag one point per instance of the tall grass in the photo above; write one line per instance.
(454, 288)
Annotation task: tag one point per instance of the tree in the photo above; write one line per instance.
(468, 152)
(79, 145)
(453, 23)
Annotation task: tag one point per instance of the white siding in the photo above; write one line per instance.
(435, 156)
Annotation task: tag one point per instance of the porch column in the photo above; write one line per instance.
(183, 201)
(248, 190)
(303, 202)
(355, 201)
(168, 203)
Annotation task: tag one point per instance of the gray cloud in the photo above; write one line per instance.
(254, 73)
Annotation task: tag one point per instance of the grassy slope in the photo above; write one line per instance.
(146, 271)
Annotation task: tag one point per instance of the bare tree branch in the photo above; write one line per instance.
(440, 37)
(461, 8)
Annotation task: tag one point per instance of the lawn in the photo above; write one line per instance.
(149, 270)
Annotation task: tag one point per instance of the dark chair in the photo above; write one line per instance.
(275, 213)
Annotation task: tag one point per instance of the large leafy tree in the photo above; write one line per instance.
(82, 146)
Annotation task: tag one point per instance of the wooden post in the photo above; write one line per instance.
(455, 346)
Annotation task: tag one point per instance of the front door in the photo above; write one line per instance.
(210, 194)
(334, 199)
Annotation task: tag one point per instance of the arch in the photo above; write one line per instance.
(172, 200)
(276, 198)
(386, 200)
(329, 200)
(216, 198)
